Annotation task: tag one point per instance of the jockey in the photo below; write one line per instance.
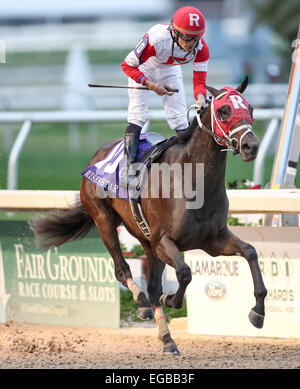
(154, 63)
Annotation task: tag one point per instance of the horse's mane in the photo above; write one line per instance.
(194, 124)
(187, 134)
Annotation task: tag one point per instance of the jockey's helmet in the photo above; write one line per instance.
(188, 21)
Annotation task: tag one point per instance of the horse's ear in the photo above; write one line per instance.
(214, 92)
(241, 88)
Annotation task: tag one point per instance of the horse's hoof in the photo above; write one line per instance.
(256, 319)
(171, 348)
(145, 313)
(163, 298)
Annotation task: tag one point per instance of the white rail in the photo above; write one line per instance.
(95, 116)
(37, 200)
(240, 201)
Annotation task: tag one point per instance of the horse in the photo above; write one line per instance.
(174, 226)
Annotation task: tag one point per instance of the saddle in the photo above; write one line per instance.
(106, 173)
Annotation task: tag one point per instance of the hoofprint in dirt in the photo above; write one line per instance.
(29, 346)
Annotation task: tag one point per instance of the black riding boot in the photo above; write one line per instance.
(132, 136)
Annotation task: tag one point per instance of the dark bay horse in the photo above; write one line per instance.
(174, 226)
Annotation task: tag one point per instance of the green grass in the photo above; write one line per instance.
(18, 216)
(47, 161)
(49, 58)
(129, 309)
(35, 58)
(108, 56)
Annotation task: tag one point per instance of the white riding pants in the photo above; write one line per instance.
(174, 106)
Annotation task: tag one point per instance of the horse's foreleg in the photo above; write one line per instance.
(229, 244)
(156, 268)
(169, 253)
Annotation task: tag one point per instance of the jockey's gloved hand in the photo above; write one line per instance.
(158, 88)
(201, 101)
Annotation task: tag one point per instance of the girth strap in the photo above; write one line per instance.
(135, 203)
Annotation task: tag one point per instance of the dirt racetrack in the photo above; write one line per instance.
(28, 346)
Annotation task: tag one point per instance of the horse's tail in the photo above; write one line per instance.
(61, 226)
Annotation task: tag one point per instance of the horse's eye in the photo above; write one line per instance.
(226, 111)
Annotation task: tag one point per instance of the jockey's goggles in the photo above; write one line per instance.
(189, 38)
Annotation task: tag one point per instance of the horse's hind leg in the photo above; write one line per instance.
(156, 268)
(107, 221)
(229, 244)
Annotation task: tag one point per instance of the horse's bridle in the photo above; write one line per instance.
(230, 142)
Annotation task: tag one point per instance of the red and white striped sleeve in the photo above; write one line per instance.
(200, 70)
(140, 54)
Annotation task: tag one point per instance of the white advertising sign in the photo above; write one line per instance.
(220, 296)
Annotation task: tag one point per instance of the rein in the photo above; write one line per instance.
(228, 139)
(199, 113)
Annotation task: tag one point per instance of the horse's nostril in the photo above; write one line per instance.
(250, 149)
(246, 147)
(254, 148)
